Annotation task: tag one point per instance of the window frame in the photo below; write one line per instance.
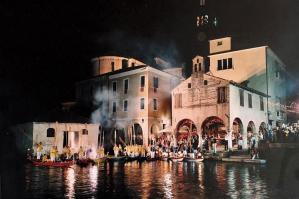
(249, 100)
(125, 109)
(241, 97)
(142, 103)
(124, 85)
(155, 104)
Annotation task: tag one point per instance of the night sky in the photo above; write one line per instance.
(46, 46)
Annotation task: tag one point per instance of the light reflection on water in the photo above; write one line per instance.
(148, 180)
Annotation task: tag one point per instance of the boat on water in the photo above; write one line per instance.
(100, 160)
(84, 162)
(190, 159)
(177, 159)
(52, 164)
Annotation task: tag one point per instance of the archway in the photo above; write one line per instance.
(237, 131)
(251, 132)
(262, 131)
(185, 128)
(154, 133)
(137, 134)
(213, 126)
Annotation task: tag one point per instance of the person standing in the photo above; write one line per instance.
(39, 150)
(53, 152)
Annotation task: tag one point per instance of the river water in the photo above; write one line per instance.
(159, 179)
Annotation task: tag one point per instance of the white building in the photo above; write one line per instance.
(258, 68)
(207, 105)
(56, 134)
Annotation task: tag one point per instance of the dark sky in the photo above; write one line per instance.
(46, 46)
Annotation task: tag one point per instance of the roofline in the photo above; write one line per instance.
(233, 51)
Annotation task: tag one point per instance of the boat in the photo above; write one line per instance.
(52, 164)
(84, 162)
(177, 159)
(190, 159)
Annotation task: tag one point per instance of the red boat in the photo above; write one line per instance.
(52, 164)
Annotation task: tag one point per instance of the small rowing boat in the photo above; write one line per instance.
(177, 159)
(52, 164)
(189, 159)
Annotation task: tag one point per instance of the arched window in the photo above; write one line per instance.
(84, 132)
(50, 132)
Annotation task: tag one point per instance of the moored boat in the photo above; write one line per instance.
(190, 159)
(177, 159)
(52, 164)
(84, 162)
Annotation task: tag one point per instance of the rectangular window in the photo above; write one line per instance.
(132, 64)
(189, 85)
(230, 63)
(76, 138)
(221, 95)
(155, 104)
(205, 82)
(249, 100)
(261, 103)
(241, 92)
(84, 132)
(112, 66)
(142, 103)
(114, 107)
(195, 68)
(224, 64)
(114, 87)
(199, 66)
(219, 43)
(178, 100)
(125, 105)
(142, 81)
(278, 113)
(219, 66)
(156, 82)
(126, 86)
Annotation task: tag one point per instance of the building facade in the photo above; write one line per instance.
(134, 102)
(57, 134)
(205, 105)
(257, 68)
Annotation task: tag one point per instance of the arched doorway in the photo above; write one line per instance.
(213, 126)
(185, 128)
(251, 133)
(154, 134)
(237, 133)
(213, 129)
(263, 131)
(137, 134)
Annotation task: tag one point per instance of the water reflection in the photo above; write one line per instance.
(148, 180)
